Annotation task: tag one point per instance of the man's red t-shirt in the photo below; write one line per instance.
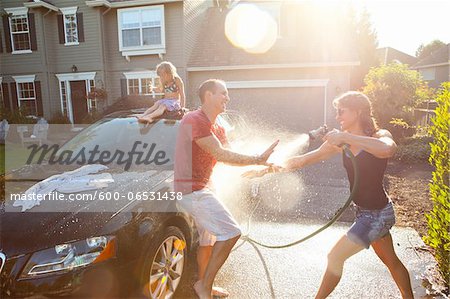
(193, 165)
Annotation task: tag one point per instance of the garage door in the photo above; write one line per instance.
(297, 109)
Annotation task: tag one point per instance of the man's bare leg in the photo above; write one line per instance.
(220, 252)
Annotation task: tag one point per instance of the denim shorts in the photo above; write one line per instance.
(371, 225)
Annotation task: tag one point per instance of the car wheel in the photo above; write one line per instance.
(165, 264)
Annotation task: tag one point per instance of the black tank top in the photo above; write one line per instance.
(371, 194)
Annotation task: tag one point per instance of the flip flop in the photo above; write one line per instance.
(219, 292)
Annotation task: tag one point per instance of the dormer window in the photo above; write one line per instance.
(70, 25)
(141, 30)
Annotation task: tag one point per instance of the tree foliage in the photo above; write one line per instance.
(395, 91)
(426, 50)
(439, 217)
(366, 41)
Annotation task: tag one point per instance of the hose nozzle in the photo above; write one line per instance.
(318, 133)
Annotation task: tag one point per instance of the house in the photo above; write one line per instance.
(387, 55)
(55, 52)
(435, 68)
(291, 86)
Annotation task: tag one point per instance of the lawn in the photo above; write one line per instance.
(13, 156)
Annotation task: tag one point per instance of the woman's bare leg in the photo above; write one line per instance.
(341, 251)
(384, 248)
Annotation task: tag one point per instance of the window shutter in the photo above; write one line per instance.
(40, 107)
(32, 25)
(15, 104)
(6, 101)
(1, 43)
(123, 86)
(60, 21)
(80, 28)
(7, 34)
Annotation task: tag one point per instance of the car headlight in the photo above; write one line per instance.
(69, 256)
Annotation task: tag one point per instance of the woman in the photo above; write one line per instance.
(371, 147)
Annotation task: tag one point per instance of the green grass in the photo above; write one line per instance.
(13, 156)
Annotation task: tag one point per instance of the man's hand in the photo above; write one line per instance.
(262, 159)
(251, 174)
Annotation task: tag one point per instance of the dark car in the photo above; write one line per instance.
(130, 242)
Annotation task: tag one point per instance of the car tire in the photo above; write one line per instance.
(165, 264)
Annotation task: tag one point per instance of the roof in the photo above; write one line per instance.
(125, 3)
(308, 46)
(388, 54)
(440, 56)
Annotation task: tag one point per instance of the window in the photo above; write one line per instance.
(274, 10)
(141, 29)
(26, 93)
(428, 74)
(92, 103)
(19, 29)
(2, 102)
(142, 83)
(64, 105)
(70, 25)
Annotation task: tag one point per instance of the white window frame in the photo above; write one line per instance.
(142, 50)
(13, 12)
(2, 100)
(139, 76)
(70, 11)
(25, 79)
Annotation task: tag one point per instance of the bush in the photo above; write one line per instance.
(438, 219)
(59, 118)
(395, 91)
(17, 116)
(91, 117)
(414, 149)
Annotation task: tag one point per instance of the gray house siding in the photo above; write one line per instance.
(116, 64)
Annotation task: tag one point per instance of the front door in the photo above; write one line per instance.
(79, 102)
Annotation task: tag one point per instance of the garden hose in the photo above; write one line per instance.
(338, 214)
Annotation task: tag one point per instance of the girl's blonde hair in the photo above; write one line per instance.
(167, 67)
(357, 101)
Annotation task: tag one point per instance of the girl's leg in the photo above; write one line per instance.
(151, 109)
(385, 251)
(343, 249)
(158, 112)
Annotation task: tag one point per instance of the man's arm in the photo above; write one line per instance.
(213, 146)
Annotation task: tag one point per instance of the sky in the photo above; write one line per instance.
(405, 24)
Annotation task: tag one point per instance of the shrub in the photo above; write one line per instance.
(17, 116)
(395, 91)
(59, 118)
(414, 149)
(438, 219)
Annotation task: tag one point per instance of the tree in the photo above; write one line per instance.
(366, 41)
(424, 51)
(395, 91)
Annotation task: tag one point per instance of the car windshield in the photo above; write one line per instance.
(115, 135)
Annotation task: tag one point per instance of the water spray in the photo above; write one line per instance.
(315, 134)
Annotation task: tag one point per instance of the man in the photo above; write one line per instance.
(200, 144)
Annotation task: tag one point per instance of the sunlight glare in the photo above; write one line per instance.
(250, 28)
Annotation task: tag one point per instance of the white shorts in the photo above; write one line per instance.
(212, 219)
